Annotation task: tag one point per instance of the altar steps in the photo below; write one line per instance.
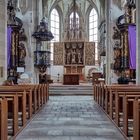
(71, 90)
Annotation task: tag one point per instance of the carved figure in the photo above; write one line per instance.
(79, 57)
(11, 17)
(73, 53)
(22, 51)
(68, 57)
(116, 34)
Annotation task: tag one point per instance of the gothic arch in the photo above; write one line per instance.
(78, 10)
(60, 13)
(87, 15)
(90, 8)
(93, 5)
(57, 7)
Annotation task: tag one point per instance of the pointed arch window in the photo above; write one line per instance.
(55, 25)
(93, 24)
(55, 29)
(93, 30)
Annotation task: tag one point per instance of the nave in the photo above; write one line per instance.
(70, 118)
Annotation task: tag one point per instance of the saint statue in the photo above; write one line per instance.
(68, 58)
(79, 57)
(22, 52)
(73, 53)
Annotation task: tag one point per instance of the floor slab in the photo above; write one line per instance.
(70, 118)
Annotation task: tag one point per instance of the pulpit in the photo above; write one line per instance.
(71, 79)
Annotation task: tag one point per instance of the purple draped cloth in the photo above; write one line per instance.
(9, 45)
(132, 46)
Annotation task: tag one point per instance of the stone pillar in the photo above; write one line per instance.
(37, 16)
(3, 40)
(40, 12)
(107, 41)
(33, 41)
(138, 42)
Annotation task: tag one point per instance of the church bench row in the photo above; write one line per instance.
(39, 95)
(3, 119)
(23, 102)
(118, 101)
(136, 119)
(12, 102)
(121, 99)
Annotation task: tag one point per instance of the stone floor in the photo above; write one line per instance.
(70, 118)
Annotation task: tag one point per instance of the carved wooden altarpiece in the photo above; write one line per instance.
(58, 53)
(89, 53)
(74, 53)
(74, 56)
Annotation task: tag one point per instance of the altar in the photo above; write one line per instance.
(74, 53)
(71, 79)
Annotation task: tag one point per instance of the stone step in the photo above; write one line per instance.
(70, 93)
(71, 89)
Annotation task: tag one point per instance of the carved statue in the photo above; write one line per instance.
(11, 17)
(79, 57)
(73, 53)
(68, 57)
(22, 52)
(23, 5)
(116, 34)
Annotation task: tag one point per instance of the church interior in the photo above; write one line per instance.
(69, 70)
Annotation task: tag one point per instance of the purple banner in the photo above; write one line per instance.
(9, 45)
(132, 46)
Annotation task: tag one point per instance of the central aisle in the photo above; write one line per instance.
(70, 118)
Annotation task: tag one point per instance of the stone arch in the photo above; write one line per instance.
(90, 7)
(88, 13)
(77, 10)
(58, 8)
(60, 13)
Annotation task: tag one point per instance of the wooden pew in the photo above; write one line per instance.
(3, 119)
(110, 91)
(25, 98)
(40, 95)
(13, 103)
(127, 108)
(13, 94)
(136, 109)
(128, 94)
(99, 94)
(124, 100)
(22, 91)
